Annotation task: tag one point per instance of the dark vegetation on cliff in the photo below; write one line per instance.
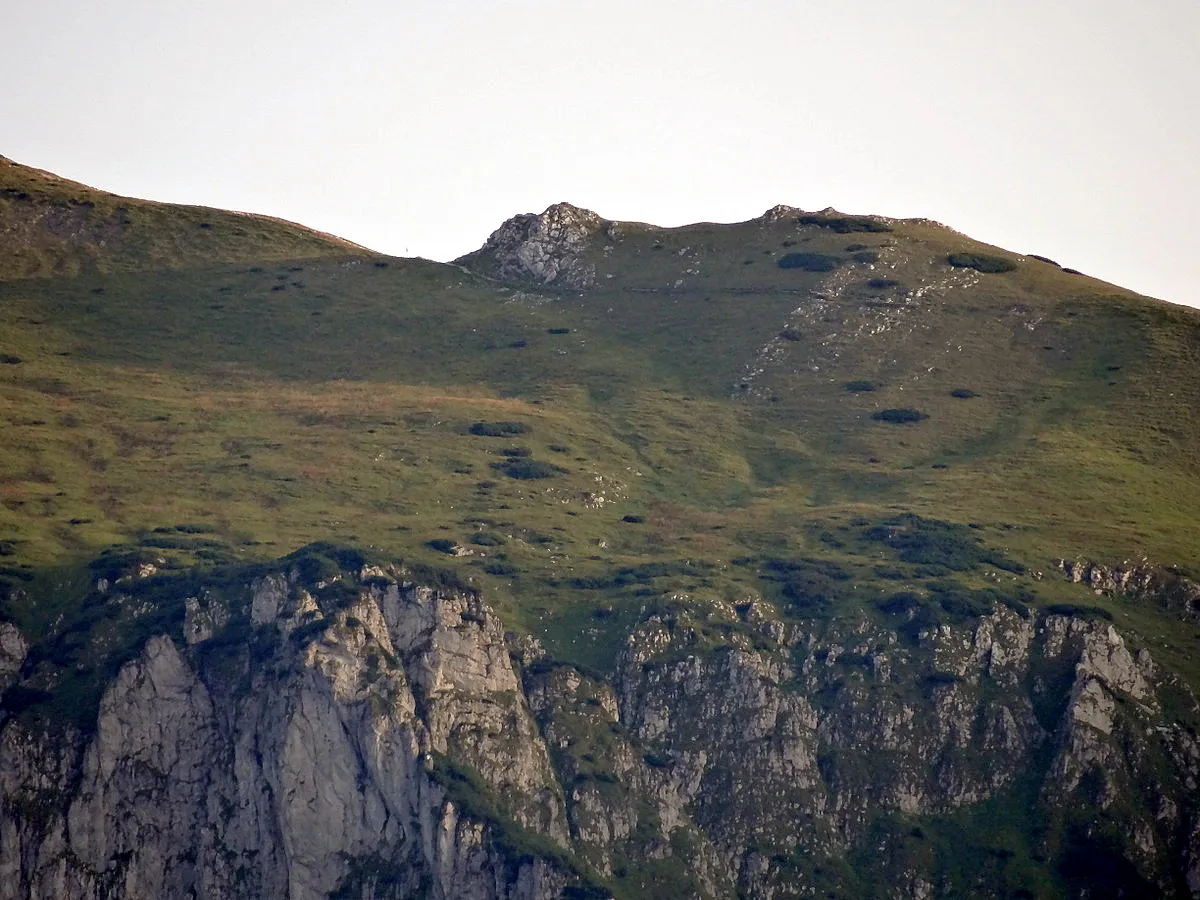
(902, 425)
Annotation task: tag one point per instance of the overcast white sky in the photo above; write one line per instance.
(1069, 129)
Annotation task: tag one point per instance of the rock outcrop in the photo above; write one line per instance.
(294, 758)
(360, 735)
(1166, 587)
(550, 248)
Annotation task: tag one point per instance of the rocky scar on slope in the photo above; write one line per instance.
(354, 733)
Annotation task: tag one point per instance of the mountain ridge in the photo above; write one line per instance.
(56, 226)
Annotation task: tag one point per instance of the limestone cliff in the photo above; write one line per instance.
(356, 734)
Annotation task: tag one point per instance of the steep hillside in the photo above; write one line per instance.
(810, 535)
(52, 226)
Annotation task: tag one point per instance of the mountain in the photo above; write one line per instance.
(814, 555)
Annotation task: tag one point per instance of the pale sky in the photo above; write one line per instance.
(1069, 129)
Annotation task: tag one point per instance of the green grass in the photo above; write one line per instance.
(282, 401)
(55, 227)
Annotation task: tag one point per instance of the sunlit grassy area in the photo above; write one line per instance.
(703, 405)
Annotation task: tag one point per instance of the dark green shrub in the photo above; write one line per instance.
(865, 256)
(900, 603)
(963, 393)
(558, 331)
(635, 520)
(941, 679)
(502, 569)
(961, 603)
(8, 359)
(899, 416)
(656, 760)
(981, 262)
(486, 539)
(860, 387)
(1082, 612)
(880, 284)
(1044, 259)
(937, 547)
(322, 560)
(516, 452)
(808, 586)
(843, 224)
(500, 429)
(441, 545)
(307, 631)
(529, 469)
(791, 334)
(809, 262)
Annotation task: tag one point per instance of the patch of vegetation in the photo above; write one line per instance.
(899, 416)
(843, 224)
(860, 386)
(517, 844)
(528, 469)
(809, 262)
(1078, 610)
(806, 586)
(500, 429)
(486, 539)
(946, 546)
(881, 284)
(963, 394)
(981, 262)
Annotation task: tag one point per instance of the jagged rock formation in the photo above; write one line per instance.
(360, 735)
(293, 757)
(1167, 587)
(549, 248)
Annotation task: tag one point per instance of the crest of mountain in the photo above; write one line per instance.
(53, 226)
(817, 554)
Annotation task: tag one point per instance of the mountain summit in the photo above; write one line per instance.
(814, 555)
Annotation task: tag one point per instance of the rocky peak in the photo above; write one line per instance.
(780, 211)
(549, 247)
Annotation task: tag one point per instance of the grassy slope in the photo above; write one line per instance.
(285, 401)
(52, 226)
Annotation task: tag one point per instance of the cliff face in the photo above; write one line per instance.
(360, 735)
(295, 758)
